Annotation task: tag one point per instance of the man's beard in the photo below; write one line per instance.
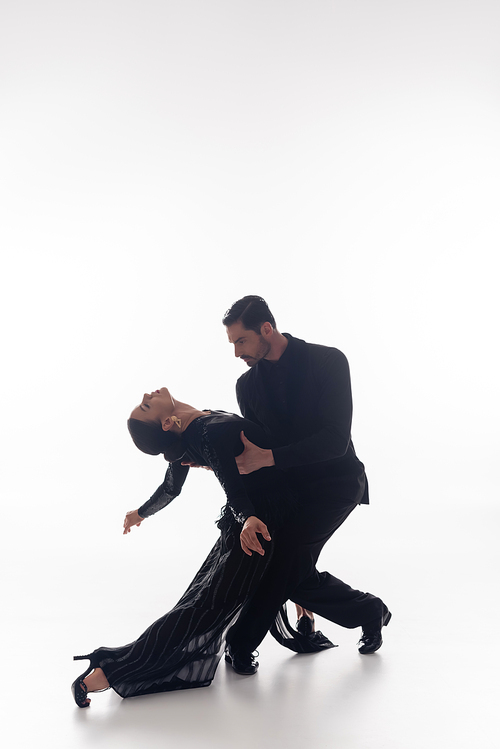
(262, 351)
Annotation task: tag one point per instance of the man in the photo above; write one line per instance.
(300, 393)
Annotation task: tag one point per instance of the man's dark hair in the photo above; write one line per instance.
(251, 311)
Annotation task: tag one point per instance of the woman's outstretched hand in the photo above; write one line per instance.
(248, 536)
(131, 518)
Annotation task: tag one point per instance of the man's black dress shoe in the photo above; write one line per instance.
(242, 663)
(305, 626)
(371, 639)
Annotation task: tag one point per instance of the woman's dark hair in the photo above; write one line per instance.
(251, 311)
(151, 439)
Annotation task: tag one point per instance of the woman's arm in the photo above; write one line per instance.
(226, 470)
(248, 536)
(221, 443)
(131, 518)
(170, 489)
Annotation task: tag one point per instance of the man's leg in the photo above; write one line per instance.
(335, 600)
(259, 613)
(296, 550)
(321, 592)
(292, 575)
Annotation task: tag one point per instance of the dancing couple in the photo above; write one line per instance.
(291, 477)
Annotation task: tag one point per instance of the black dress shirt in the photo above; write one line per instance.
(303, 401)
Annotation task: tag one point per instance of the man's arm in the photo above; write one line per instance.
(253, 457)
(334, 415)
(334, 418)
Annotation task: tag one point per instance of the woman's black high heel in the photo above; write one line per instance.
(78, 688)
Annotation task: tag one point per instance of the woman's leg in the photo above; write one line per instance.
(305, 612)
(182, 649)
(96, 681)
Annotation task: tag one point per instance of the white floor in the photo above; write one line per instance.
(433, 683)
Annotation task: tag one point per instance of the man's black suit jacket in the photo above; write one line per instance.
(314, 442)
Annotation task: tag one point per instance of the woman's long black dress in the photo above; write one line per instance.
(182, 649)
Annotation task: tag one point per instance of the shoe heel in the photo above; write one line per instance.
(91, 658)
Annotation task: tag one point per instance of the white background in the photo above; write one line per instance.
(159, 160)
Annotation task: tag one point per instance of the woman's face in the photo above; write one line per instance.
(154, 406)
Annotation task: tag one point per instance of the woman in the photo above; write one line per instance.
(181, 650)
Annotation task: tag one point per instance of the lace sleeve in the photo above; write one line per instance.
(169, 490)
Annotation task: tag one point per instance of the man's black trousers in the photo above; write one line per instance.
(292, 575)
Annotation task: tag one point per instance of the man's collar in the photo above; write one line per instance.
(285, 357)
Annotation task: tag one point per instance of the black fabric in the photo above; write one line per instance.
(315, 448)
(293, 576)
(182, 649)
(214, 440)
(306, 412)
